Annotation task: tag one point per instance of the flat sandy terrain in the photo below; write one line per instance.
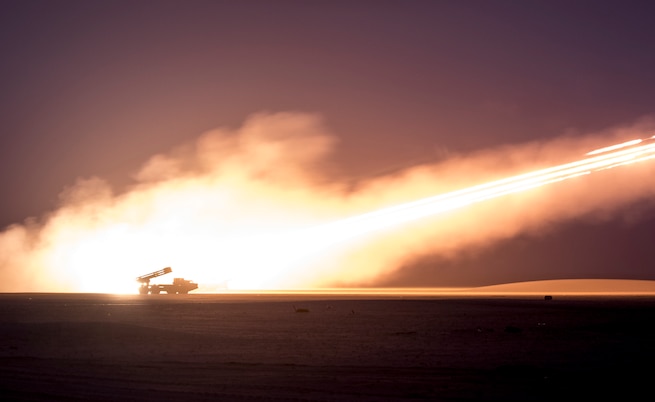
(227, 347)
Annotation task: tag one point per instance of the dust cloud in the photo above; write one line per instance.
(243, 209)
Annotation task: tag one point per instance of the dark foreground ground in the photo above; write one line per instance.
(236, 348)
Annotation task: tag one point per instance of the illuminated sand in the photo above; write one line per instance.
(575, 287)
(566, 287)
(346, 347)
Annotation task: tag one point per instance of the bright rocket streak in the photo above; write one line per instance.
(386, 217)
(613, 147)
(323, 237)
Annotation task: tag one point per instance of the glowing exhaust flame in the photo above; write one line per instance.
(461, 198)
(344, 230)
(614, 147)
(250, 209)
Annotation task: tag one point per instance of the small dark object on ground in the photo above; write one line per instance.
(548, 297)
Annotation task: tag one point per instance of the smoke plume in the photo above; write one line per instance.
(245, 209)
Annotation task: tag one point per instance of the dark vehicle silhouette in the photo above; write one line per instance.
(179, 285)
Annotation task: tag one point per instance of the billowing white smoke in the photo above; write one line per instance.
(237, 208)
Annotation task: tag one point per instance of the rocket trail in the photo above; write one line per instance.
(286, 255)
(328, 248)
(294, 251)
(604, 158)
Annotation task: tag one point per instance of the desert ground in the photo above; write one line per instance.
(201, 347)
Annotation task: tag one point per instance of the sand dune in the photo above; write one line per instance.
(573, 286)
